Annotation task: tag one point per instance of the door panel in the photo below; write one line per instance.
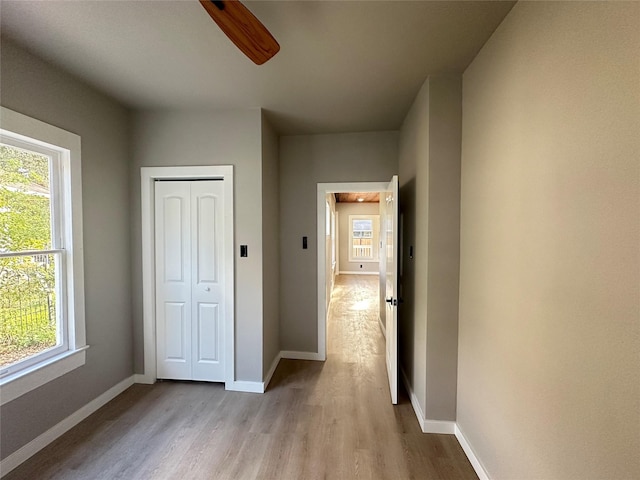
(189, 281)
(206, 245)
(207, 333)
(173, 280)
(391, 290)
(175, 332)
(207, 215)
(174, 223)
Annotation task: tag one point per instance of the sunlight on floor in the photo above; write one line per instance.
(361, 305)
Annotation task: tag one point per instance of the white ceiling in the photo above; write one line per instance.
(344, 66)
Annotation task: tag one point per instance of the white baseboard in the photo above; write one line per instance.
(439, 426)
(426, 425)
(261, 387)
(271, 371)
(446, 427)
(38, 443)
(235, 386)
(475, 462)
(144, 379)
(301, 355)
(359, 272)
(244, 386)
(414, 400)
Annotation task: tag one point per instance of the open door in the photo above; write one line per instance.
(391, 290)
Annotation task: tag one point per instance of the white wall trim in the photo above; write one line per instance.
(426, 425)
(475, 462)
(358, 272)
(244, 386)
(271, 371)
(27, 451)
(445, 427)
(41, 373)
(38, 443)
(147, 177)
(65, 148)
(290, 355)
(439, 426)
(323, 190)
(143, 379)
(414, 400)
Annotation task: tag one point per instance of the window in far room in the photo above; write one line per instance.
(363, 233)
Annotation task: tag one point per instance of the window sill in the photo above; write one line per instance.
(19, 383)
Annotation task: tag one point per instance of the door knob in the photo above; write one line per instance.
(389, 300)
(207, 289)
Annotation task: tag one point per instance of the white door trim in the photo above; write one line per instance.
(323, 190)
(148, 175)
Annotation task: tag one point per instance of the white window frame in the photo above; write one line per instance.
(63, 147)
(375, 219)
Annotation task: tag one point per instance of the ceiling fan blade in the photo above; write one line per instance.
(243, 29)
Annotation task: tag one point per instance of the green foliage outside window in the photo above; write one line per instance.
(27, 283)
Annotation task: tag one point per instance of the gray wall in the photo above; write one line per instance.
(35, 88)
(270, 246)
(430, 202)
(550, 271)
(346, 209)
(169, 138)
(445, 137)
(413, 177)
(305, 161)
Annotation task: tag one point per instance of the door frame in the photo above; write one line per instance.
(148, 176)
(323, 190)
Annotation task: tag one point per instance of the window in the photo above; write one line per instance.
(363, 238)
(41, 272)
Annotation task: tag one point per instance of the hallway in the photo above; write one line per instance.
(317, 420)
(353, 328)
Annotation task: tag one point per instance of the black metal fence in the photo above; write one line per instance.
(19, 323)
(27, 302)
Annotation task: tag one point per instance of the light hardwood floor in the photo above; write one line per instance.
(317, 420)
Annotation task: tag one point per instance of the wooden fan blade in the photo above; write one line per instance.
(243, 29)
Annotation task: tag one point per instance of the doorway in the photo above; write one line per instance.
(388, 276)
(204, 353)
(324, 274)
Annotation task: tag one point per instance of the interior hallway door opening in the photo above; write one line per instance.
(387, 272)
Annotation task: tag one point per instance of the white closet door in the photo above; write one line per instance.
(190, 280)
(207, 272)
(173, 279)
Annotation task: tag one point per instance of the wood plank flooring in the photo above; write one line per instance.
(317, 420)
